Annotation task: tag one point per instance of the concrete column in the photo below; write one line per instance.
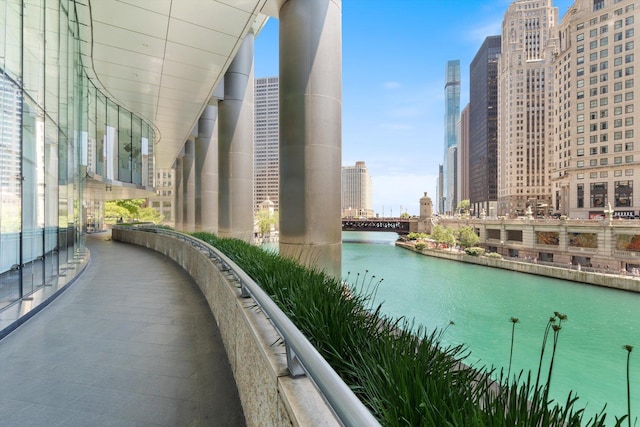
(189, 184)
(178, 202)
(311, 133)
(235, 147)
(206, 163)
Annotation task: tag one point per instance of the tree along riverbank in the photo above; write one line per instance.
(614, 281)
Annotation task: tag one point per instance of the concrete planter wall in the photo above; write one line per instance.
(269, 395)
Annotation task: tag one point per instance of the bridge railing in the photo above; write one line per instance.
(396, 225)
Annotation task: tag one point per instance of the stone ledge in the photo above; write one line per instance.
(598, 279)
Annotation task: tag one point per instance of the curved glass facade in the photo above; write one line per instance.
(62, 144)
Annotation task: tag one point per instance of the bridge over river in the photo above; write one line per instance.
(398, 225)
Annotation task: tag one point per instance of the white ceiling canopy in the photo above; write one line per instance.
(162, 59)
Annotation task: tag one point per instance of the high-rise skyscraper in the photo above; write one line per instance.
(463, 154)
(451, 117)
(266, 142)
(356, 191)
(596, 154)
(483, 126)
(525, 102)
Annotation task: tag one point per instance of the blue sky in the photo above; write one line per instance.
(394, 54)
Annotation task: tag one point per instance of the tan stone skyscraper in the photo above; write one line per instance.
(596, 154)
(266, 143)
(525, 94)
(356, 191)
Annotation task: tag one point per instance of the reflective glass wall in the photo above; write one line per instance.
(56, 130)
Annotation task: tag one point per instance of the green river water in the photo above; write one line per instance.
(480, 301)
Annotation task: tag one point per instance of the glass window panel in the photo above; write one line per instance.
(125, 146)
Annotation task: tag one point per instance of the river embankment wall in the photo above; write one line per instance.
(613, 281)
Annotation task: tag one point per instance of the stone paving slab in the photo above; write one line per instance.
(131, 343)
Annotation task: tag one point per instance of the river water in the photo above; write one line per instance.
(590, 359)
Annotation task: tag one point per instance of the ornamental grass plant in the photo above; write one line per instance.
(402, 373)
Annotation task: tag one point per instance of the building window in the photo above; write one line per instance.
(580, 193)
(624, 193)
(598, 194)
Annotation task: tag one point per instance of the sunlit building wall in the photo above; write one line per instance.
(356, 191)
(596, 152)
(266, 142)
(525, 103)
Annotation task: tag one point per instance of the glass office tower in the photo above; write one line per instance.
(451, 117)
(63, 145)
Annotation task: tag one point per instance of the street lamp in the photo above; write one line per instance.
(502, 247)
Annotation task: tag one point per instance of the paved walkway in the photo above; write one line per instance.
(131, 343)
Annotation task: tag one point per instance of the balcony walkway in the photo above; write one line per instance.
(131, 343)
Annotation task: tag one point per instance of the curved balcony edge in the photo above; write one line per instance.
(272, 392)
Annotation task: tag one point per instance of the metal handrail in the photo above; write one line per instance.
(302, 356)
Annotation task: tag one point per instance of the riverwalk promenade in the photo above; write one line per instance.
(131, 342)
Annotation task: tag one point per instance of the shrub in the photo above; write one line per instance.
(493, 255)
(420, 246)
(475, 251)
(416, 236)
